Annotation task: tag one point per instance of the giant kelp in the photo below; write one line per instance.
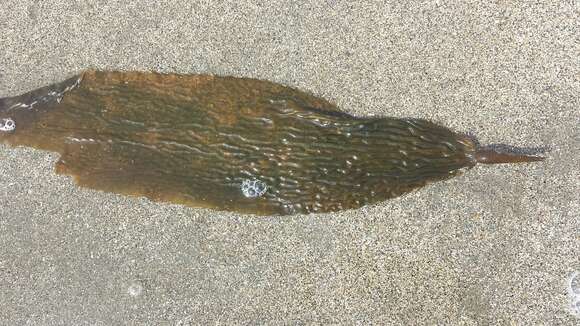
(230, 143)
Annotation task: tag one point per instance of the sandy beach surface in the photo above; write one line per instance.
(497, 245)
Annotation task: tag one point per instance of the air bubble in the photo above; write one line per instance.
(7, 125)
(253, 188)
(135, 289)
(574, 292)
(574, 285)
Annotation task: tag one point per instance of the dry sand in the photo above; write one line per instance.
(498, 245)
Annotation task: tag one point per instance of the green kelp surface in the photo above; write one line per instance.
(228, 143)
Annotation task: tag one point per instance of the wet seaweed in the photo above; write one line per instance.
(234, 144)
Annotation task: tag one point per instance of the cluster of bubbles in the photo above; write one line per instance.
(7, 125)
(253, 188)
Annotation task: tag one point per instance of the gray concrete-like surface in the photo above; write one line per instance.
(498, 245)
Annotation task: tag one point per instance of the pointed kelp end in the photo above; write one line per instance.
(499, 154)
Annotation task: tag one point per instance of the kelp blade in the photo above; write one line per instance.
(228, 143)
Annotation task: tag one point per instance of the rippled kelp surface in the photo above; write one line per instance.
(229, 143)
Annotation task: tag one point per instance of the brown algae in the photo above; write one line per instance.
(234, 144)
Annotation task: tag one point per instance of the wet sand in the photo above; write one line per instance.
(498, 245)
